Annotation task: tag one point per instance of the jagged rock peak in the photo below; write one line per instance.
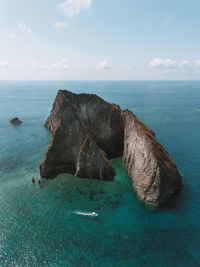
(83, 127)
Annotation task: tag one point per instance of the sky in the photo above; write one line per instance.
(99, 40)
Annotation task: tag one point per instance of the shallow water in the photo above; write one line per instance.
(40, 228)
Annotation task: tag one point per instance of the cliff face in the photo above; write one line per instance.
(154, 173)
(84, 132)
(87, 131)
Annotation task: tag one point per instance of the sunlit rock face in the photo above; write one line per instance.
(154, 173)
(86, 131)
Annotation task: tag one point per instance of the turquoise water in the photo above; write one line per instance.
(40, 227)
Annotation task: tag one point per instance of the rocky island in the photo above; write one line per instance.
(86, 132)
(16, 121)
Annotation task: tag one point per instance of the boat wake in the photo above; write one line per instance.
(92, 214)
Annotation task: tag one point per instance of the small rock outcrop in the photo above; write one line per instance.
(86, 131)
(16, 121)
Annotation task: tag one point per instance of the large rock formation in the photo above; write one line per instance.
(154, 173)
(87, 131)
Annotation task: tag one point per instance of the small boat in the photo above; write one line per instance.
(92, 214)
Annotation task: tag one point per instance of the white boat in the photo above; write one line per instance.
(93, 214)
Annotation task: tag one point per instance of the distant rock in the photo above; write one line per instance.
(87, 131)
(16, 121)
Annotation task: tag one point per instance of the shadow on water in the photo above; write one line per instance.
(179, 203)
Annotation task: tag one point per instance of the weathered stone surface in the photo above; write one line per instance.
(93, 162)
(83, 127)
(16, 121)
(154, 173)
(87, 131)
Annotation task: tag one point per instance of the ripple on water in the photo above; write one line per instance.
(39, 227)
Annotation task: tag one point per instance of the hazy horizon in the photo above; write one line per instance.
(99, 40)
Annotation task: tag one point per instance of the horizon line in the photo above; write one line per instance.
(96, 80)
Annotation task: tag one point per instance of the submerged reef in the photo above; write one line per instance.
(86, 132)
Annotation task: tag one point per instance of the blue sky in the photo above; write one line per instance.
(100, 39)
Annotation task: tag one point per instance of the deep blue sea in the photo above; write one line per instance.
(39, 227)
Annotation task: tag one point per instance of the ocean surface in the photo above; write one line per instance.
(44, 227)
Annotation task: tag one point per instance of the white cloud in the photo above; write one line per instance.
(11, 36)
(185, 64)
(23, 27)
(4, 64)
(61, 65)
(127, 66)
(164, 63)
(170, 64)
(7, 65)
(198, 63)
(103, 65)
(60, 24)
(27, 30)
(73, 7)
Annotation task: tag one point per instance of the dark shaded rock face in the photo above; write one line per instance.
(87, 131)
(16, 121)
(84, 132)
